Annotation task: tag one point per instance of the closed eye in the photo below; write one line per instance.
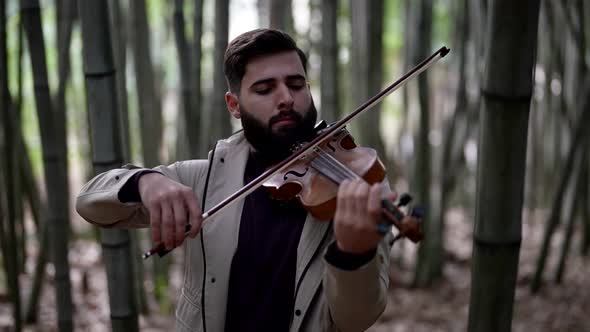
(262, 91)
(296, 86)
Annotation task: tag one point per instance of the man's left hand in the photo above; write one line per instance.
(357, 214)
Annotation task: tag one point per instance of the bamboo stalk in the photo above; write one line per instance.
(329, 54)
(585, 243)
(38, 209)
(580, 179)
(99, 72)
(53, 160)
(501, 165)
(580, 136)
(119, 36)
(149, 107)
(198, 149)
(429, 260)
(216, 124)
(9, 171)
(187, 137)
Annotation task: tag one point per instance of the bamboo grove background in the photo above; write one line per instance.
(495, 133)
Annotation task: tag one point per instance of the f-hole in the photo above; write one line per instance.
(295, 173)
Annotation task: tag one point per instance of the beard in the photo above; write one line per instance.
(276, 146)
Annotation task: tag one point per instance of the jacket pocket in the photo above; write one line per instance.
(188, 312)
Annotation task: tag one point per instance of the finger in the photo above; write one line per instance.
(156, 223)
(392, 196)
(360, 195)
(180, 220)
(167, 226)
(196, 217)
(341, 199)
(374, 202)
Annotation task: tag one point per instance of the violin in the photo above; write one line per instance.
(314, 170)
(315, 177)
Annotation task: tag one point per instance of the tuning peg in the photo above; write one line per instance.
(418, 212)
(404, 200)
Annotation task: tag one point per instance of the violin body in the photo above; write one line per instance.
(315, 183)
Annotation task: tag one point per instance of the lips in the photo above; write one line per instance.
(285, 120)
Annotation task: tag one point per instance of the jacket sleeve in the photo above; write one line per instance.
(356, 298)
(98, 201)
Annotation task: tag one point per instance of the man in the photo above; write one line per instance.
(259, 265)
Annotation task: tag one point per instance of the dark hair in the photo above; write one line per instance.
(250, 45)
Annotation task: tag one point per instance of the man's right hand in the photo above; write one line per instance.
(171, 206)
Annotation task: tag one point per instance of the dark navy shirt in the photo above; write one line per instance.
(262, 277)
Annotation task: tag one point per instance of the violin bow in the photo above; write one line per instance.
(328, 132)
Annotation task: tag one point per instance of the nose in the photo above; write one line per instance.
(285, 98)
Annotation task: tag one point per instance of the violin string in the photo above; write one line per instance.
(320, 164)
(349, 174)
(336, 166)
(340, 170)
(325, 164)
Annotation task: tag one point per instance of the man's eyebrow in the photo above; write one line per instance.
(270, 79)
(296, 77)
(263, 81)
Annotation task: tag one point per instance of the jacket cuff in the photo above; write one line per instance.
(101, 205)
(347, 261)
(129, 192)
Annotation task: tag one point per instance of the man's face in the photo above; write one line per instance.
(275, 105)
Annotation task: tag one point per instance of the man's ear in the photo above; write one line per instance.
(233, 105)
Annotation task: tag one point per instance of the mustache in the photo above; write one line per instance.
(290, 114)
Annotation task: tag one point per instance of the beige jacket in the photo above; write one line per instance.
(326, 298)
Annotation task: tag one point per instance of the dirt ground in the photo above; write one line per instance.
(440, 307)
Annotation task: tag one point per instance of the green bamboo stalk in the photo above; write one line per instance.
(451, 163)
(151, 116)
(217, 124)
(585, 243)
(187, 136)
(580, 136)
(197, 150)
(429, 263)
(66, 14)
(53, 161)
(8, 164)
(571, 218)
(101, 96)
(511, 40)
(38, 210)
(149, 107)
(119, 37)
(281, 15)
(139, 274)
(329, 54)
(31, 312)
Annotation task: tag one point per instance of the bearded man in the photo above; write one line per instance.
(260, 264)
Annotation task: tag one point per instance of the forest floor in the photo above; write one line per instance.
(441, 307)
